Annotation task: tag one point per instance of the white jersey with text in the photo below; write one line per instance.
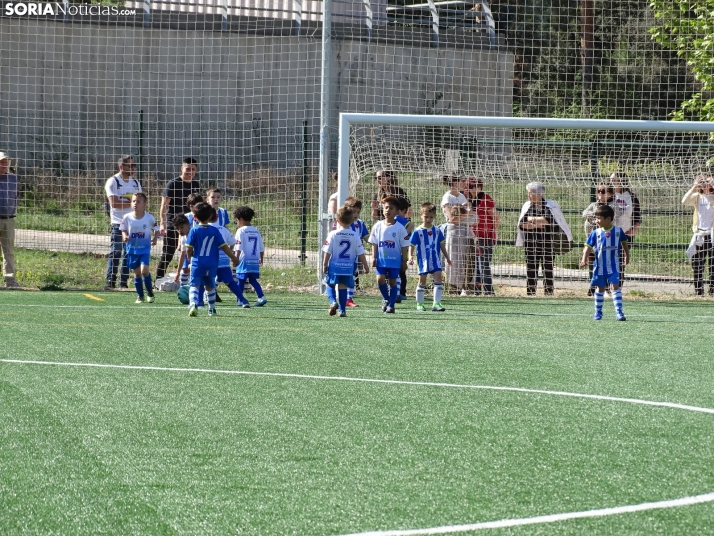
(389, 239)
(344, 246)
(139, 231)
(249, 245)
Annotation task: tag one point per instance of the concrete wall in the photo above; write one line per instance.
(71, 93)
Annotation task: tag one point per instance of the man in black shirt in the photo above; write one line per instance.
(173, 202)
(538, 226)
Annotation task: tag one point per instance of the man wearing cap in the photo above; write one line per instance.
(119, 190)
(9, 194)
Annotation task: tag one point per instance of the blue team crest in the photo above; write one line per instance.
(144, 226)
(394, 235)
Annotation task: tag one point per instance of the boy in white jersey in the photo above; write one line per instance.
(359, 227)
(249, 245)
(606, 242)
(343, 247)
(138, 229)
(389, 252)
(184, 268)
(426, 242)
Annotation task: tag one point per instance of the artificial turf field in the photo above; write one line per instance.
(270, 421)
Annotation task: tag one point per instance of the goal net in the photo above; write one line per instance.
(657, 162)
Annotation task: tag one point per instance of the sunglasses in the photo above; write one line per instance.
(603, 191)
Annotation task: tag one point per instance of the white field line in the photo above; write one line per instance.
(505, 523)
(366, 380)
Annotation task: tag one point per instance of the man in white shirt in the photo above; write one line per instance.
(119, 189)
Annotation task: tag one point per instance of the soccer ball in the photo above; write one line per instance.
(182, 294)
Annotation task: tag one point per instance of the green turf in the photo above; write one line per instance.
(90, 450)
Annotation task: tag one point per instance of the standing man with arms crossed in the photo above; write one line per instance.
(173, 202)
(119, 190)
(9, 194)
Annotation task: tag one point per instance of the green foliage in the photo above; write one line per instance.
(687, 26)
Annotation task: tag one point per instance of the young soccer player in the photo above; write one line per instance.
(359, 227)
(138, 229)
(182, 226)
(202, 245)
(343, 247)
(214, 196)
(182, 274)
(426, 242)
(389, 252)
(606, 242)
(249, 245)
(402, 218)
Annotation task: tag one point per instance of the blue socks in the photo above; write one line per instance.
(331, 296)
(342, 293)
(139, 287)
(393, 294)
(148, 283)
(384, 289)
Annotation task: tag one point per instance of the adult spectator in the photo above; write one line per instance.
(453, 196)
(387, 185)
(119, 189)
(628, 216)
(538, 222)
(701, 197)
(485, 232)
(173, 202)
(9, 195)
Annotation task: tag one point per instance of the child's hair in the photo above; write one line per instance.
(179, 220)
(244, 213)
(141, 195)
(449, 180)
(345, 215)
(213, 190)
(605, 211)
(428, 208)
(353, 202)
(204, 212)
(456, 211)
(194, 199)
(391, 200)
(402, 204)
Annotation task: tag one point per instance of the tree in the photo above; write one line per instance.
(687, 26)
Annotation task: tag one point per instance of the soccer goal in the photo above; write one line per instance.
(656, 161)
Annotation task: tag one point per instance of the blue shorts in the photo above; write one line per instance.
(225, 275)
(246, 275)
(203, 275)
(134, 260)
(603, 280)
(347, 280)
(391, 273)
(186, 263)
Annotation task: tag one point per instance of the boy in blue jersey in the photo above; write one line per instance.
(202, 245)
(182, 226)
(606, 242)
(402, 218)
(249, 245)
(343, 248)
(389, 252)
(138, 229)
(359, 227)
(214, 196)
(427, 241)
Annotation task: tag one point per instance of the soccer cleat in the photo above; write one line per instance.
(150, 299)
(438, 308)
(389, 310)
(139, 299)
(261, 301)
(421, 308)
(351, 303)
(621, 318)
(598, 316)
(385, 304)
(342, 314)
(212, 312)
(399, 299)
(333, 309)
(244, 305)
(192, 311)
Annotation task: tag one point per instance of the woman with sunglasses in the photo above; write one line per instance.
(605, 196)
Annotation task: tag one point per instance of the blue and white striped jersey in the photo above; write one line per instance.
(205, 240)
(427, 242)
(607, 244)
(223, 219)
(224, 261)
(360, 228)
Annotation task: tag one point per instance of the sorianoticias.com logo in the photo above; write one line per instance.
(61, 8)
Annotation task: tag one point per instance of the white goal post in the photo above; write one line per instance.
(571, 156)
